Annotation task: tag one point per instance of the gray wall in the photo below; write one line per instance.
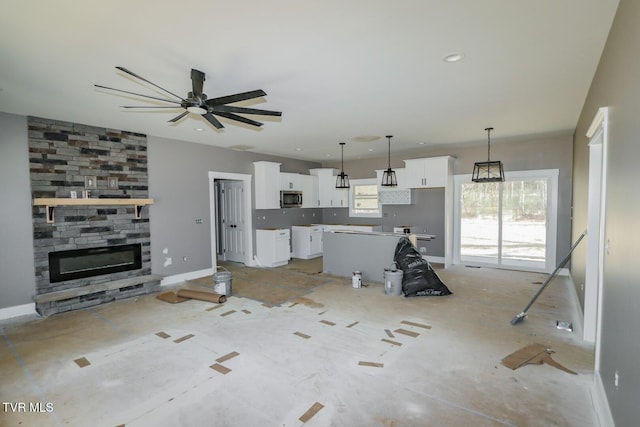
(617, 85)
(524, 153)
(179, 185)
(17, 272)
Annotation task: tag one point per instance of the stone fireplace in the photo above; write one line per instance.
(98, 253)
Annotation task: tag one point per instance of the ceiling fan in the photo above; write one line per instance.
(196, 102)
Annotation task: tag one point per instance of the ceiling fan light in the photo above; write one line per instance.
(197, 110)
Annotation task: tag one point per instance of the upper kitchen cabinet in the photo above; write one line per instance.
(267, 185)
(328, 195)
(309, 184)
(291, 181)
(429, 172)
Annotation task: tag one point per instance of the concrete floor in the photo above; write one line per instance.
(341, 352)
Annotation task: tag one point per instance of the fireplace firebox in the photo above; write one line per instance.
(79, 263)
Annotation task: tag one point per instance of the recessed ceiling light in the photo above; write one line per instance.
(421, 143)
(453, 57)
(199, 129)
(370, 149)
(298, 149)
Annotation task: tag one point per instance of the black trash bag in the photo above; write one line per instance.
(419, 278)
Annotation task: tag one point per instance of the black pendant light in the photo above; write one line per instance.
(488, 171)
(389, 176)
(342, 181)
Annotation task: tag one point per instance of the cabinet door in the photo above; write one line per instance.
(315, 242)
(436, 172)
(290, 181)
(414, 173)
(309, 191)
(267, 179)
(340, 198)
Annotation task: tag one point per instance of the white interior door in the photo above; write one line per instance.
(233, 227)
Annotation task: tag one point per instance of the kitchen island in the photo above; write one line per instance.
(368, 252)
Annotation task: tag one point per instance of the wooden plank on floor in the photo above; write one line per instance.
(352, 324)
(326, 322)
(389, 334)
(228, 313)
(407, 333)
(163, 335)
(391, 342)
(372, 364)
(418, 325)
(184, 338)
(219, 368)
(311, 412)
(82, 362)
(227, 357)
(301, 335)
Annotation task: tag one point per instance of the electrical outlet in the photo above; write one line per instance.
(616, 379)
(198, 220)
(423, 249)
(184, 258)
(167, 262)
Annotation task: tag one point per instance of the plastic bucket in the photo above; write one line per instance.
(356, 279)
(222, 282)
(392, 281)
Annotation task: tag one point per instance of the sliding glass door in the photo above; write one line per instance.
(509, 224)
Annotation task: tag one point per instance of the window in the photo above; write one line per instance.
(363, 198)
(510, 224)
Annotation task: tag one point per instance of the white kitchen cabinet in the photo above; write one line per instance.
(272, 246)
(290, 181)
(328, 195)
(429, 172)
(267, 185)
(306, 241)
(309, 185)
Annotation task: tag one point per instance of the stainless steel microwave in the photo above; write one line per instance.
(290, 199)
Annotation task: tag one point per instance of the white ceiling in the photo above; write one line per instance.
(337, 69)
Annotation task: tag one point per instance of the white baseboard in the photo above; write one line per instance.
(575, 304)
(178, 278)
(600, 402)
(17, 311)
(434, 259)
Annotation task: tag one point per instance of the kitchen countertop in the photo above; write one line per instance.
(384, 233)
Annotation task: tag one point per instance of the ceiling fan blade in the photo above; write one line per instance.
(139, 94)
(238, 118)
(150, 106)
(147, 81)
(244, 110)
(176, 118)
(197, 82)
(235, 98)
(213, 120)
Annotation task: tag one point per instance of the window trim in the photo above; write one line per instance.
(552, 214)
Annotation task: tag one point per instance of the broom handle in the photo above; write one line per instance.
(562, 263)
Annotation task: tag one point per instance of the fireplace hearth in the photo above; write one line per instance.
(80, 263)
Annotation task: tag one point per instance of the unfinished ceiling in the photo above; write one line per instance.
(339, 71)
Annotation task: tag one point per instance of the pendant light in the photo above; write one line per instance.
(342, 181)
(488, 171)
(389, 176)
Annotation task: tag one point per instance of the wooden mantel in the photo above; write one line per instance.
(51, 203)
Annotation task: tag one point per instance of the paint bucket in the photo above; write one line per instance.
(393, 280)
(356, 279)
(222, 283)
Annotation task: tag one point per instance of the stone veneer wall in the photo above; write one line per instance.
(61, 154)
